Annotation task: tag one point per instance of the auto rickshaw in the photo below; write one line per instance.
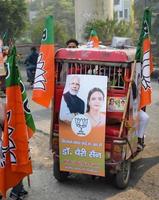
(120, 145)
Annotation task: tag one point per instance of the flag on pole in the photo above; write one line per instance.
(144, 58)
(93, 39)
(43, 88)
(15, 162)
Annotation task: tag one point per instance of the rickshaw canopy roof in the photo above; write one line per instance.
(95, 54)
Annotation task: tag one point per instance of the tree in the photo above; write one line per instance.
(106, 29)
(63, 12)
(139, 9)
(12, 18)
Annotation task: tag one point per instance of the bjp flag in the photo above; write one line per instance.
(15, 162)
(144, 58)
(43, 88)
(94, 39)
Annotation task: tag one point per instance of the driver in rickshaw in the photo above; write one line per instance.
(72, 43)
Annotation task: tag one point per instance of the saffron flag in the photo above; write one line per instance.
(93, 39)
(43, 88)
(15, 162)
(144, 58)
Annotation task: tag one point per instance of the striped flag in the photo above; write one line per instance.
(144, 59)
(93, 39)
(15, 162)
(43, 89)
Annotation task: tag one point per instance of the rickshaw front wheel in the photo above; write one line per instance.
(122, 177)
(59, 175)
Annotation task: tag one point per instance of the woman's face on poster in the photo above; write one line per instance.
(111, 102)
(96, 101)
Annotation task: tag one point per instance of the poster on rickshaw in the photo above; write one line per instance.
(82, 124)
(116, 104)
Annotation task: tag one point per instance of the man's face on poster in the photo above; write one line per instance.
(74, 85)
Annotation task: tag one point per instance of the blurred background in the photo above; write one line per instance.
(23, 21)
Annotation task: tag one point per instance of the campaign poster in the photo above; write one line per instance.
(82, 125)
(116, 104)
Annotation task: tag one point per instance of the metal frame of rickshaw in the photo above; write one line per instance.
(116, 146)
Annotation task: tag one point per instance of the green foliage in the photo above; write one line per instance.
(12, 18)
(34, 5)
(36, 29)
(108, 28)
(63, 12)
(60, 34)
(139, 9)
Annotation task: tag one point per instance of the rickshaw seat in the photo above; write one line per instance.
(73, 70)
(113, 130)
(113, 121)
(76, 70)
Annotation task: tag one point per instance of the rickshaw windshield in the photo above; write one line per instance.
(114, 71)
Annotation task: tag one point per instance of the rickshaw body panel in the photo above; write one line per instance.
(105, 55)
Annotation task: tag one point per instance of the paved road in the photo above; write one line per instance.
(40, 114)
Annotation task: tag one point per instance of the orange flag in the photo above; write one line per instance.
(144, 57)
(93, 39)
(43, 89)
(15, 161)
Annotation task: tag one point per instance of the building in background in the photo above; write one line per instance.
(89, 10)
(124, 9)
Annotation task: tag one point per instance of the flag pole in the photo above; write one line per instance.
(51, 128)
(127, 99)
(28, 178)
